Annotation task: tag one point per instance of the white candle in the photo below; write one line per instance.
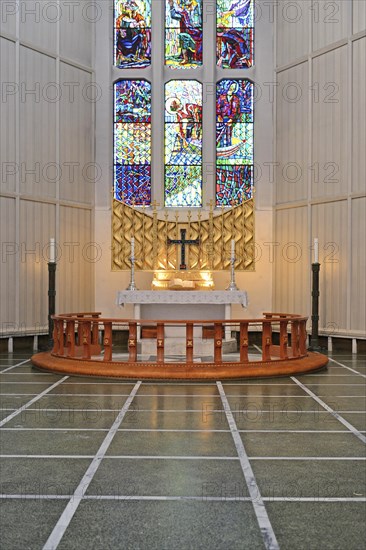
(52, 250)
(132, 247)
(316, 250)
(232, 248)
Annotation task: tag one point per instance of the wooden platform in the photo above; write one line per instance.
(179, 371)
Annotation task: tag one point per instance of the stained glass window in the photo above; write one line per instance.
(234, 141)
(234, 38)
(132, 33)
(183, 143)
(183, 33)
(132, 141)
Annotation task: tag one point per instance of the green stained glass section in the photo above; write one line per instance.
(183, 186)
(183, 143)
(132, 143)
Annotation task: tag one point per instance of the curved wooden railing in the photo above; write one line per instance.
(88, 336)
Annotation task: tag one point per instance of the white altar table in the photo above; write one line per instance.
(154, 304)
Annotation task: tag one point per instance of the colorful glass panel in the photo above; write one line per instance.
(132, 33)
(234, 33)
(183, 143)
(132, 141)
(234, 141)
(183, 33)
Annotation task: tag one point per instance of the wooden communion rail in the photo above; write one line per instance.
(77, 350)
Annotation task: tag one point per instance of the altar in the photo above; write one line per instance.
(165, 304)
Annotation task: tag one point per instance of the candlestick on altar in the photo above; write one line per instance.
(132, 285)
(232, 285)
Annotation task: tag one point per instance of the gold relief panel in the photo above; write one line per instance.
(210, 251)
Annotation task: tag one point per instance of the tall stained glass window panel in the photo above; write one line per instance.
(132, 141)
(234, 33)
(132, 33)
(183, 33)
(183, 143)
(234, 141)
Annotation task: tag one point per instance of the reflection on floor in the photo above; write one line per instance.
(97, 463)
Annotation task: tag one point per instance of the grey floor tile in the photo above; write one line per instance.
(205, 420)
(50, 442)
(154, 526)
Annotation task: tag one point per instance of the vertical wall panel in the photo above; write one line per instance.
(9, 252)
(330, 225)
(77, 27)
(38, 168)
(9, 94)
(292, 31)
(292, 134)
(8, 12)
(358, 287)
(292, 267)
(359, 116)
(38, 23)
(76, 266)
(76, 136)
(37, 225)
(359, 16)
(330, 21)
(330, 111)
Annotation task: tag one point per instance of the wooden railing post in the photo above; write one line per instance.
(283, 340)
(160, 343)
(132, 341)
(107, 341)
(84, 331)
(218, 343)
(302, 337)
(56, 341)
(189, 343)
(61, 337)
(295, 338)
(70, 338)
(266, 340)
(95, 325)
(244, 342)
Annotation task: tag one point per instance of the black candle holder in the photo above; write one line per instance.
(314, 344)
(51, 300)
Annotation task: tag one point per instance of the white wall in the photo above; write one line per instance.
(320, 144)
(258, 283)
(47, 159)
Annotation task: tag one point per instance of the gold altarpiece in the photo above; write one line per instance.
(152, 231)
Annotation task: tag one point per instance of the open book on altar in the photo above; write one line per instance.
(179, 284)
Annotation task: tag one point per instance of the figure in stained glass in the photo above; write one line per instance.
(235, 34)
(183, 143)
(132, 33)
(183, 43)
(234, 141)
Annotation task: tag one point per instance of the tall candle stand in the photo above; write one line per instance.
(315, 267)
(132, 285)
(232, 285)
(51, 299)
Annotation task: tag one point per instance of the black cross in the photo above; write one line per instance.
(183, 241)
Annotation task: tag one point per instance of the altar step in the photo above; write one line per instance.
(177, 346)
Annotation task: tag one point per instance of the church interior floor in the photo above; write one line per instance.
(106, 464)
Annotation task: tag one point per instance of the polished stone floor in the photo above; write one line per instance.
(100, 464)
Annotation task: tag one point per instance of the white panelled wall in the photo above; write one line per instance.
(47, 160)
(320, 155)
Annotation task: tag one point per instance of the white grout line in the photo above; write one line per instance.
(67, 429)
(185, 498)
(14, 366)
(173, 457)
(68, 513)
(355, 432)
(27, 405)
(268, 535)
(345, 367)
